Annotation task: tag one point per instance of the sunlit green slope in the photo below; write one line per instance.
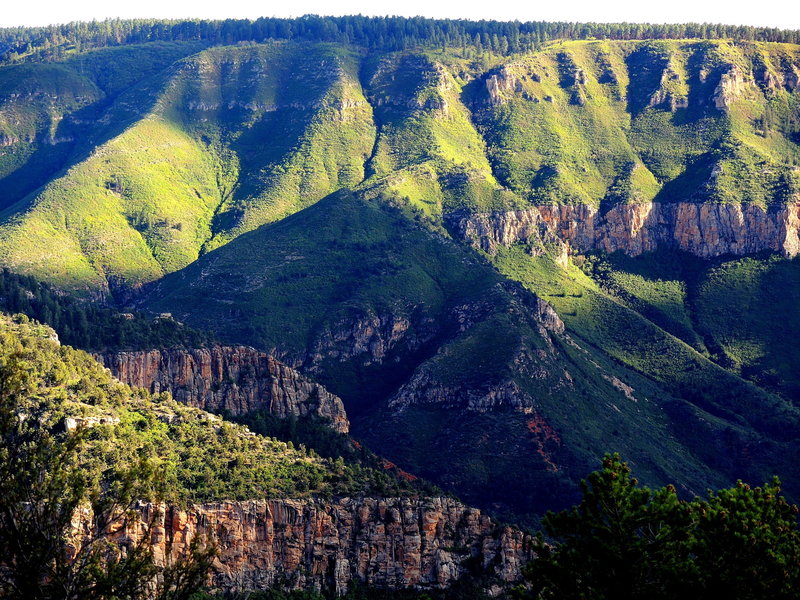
(225, 140)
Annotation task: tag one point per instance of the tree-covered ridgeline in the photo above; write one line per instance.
(73, 439)
(382, 33)
(45, 486)
(317, 435)
(199, 457)
(89, 326)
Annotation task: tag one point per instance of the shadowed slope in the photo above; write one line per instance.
(449, 369)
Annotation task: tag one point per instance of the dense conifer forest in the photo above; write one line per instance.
(377, 33)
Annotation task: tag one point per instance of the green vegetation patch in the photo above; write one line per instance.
(748, 307)
(198, 455)
(739, 312)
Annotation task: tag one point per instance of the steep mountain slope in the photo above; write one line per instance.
(268, 507)
(427, 151)
(608, 122)
(626, 137)
(201, 457)
(192, 170)
(404, 227)
(51, 114)
(467, 379)
(739, 312)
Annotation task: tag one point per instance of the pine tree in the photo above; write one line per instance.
(624, 541)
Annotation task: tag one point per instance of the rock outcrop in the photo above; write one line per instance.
(487, 231)
(235, 379)
(732, 84)
(502, 83)
(7, 140)
(422, 389)
(791, 77)
(371, 338)
(703, 229)
(305, 544)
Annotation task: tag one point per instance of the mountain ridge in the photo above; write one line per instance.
(406, 227)
(452, 148)
(279, 517)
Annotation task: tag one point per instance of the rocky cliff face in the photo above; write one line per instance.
(732, 84)
(369, 336)
(704, 229)
(236, 379)
(487, 231)
(394, 542)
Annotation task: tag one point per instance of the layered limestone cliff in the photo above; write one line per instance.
(235, 379)
(703, 229)
(303, 544)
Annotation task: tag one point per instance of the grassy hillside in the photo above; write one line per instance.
(747, 310)
(34, 101)
(738, 312)
(428, 152)
(199, 456)
(123, 164)
(281, 288)
(140, 206)
(192, 170)
(290, 122)
(638, 342)
(50, 114)
(610, 122)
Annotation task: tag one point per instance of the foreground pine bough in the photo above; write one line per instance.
(626, 541)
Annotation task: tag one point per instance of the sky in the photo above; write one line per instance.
(784, 14)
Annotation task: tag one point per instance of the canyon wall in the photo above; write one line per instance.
(235, 379)
(302, 544)
(703, 229)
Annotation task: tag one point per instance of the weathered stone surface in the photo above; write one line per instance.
(394, 542)
(548, 316)
(370, 335)
(704, 229)
(235, 379)
(501, 84)
(423, 389)
(7, 140)
(791, 77)
(487, 231)
(768, 81)
(732, 84)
